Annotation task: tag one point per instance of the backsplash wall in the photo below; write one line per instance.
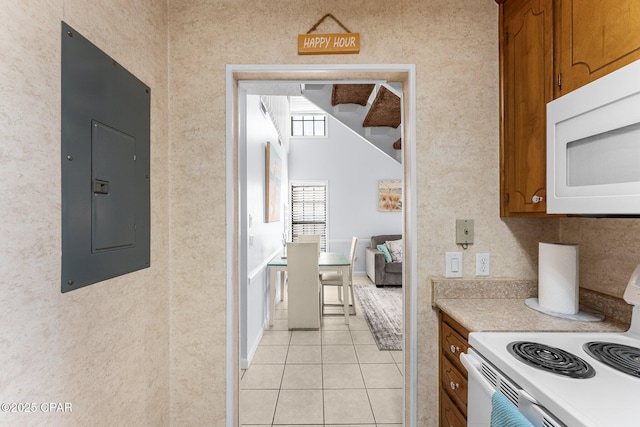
(609, 251)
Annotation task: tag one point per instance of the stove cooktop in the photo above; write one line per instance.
(551, 359)
(606, 391)
(623, 358)
(606, 397)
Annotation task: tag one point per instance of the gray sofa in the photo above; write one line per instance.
(379, 271)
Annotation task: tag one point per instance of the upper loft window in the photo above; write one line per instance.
(308, 125)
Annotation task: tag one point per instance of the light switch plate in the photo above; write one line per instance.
(453, 264)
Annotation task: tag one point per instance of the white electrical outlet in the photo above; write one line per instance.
(483, 264)
(453, 264)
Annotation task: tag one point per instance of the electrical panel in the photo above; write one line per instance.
(105, 166)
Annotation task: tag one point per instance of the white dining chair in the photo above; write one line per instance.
(335, 279)
(303, 286)
(310, 238)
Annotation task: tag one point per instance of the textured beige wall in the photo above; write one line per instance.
(455, 49)
(105, 348)
(102, 348)
(609, 251)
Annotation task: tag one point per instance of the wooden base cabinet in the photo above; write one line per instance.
(450, 415)
(453, 375)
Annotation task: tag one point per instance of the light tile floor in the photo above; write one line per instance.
(332, 377)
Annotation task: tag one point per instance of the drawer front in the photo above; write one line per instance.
(452, 345)
(450, 416)
(455, 384)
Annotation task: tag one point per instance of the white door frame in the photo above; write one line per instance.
(404, 73)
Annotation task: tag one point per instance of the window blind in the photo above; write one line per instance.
(309, 211)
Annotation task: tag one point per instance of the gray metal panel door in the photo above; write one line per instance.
(105, 150)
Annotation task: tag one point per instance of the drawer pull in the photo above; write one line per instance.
(454, 385)
(454, 349)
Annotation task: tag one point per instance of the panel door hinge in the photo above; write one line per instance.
(560, 80)
(506, 38)
(506, 197)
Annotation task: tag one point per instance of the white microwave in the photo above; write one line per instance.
(593, 147)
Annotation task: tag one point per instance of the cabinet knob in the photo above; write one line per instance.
(454, 385)
(454, 349)
(537, 199)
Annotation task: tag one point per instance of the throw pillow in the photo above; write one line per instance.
(395, 249)
(383, 248)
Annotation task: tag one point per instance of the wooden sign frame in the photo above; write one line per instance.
(328, 44)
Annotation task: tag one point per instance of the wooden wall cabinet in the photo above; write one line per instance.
(547, 49)
(453, 375)
(594, 38)
(526, 55)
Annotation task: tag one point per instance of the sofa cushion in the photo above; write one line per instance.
(393, 267)
(383, 248)
(378, 240)
(395, 249)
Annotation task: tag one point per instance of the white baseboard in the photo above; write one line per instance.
(246, 362)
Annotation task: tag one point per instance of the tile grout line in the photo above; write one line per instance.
(275, 409)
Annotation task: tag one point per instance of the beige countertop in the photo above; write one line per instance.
(509, 314)
(499, 305)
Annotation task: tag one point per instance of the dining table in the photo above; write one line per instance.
(327, 261)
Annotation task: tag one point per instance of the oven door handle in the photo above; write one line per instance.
(527, 404)
(474, 367)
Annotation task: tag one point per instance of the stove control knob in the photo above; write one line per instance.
(454, 385)
(454, 349)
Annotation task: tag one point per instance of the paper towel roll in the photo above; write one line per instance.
(558, 277)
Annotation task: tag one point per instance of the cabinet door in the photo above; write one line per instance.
(595, 37)
(450, 416)
(452, 345)
(455, 384)
(527, 78)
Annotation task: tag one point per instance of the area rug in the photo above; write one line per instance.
(382, 308)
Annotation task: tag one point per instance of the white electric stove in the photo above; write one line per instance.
(560, 379)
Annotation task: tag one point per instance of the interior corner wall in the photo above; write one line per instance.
(352, 168)
(101, 351)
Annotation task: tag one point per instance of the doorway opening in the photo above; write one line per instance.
(402, 73)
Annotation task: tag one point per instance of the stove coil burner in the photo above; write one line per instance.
(621, 357)
(551, 359)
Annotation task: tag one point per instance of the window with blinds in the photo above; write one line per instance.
(309, 211)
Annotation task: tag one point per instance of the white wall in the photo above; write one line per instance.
(352, 168)
(261, 239)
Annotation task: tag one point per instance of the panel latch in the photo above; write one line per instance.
(100, 187)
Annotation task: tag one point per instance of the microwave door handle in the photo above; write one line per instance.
(473, 366)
